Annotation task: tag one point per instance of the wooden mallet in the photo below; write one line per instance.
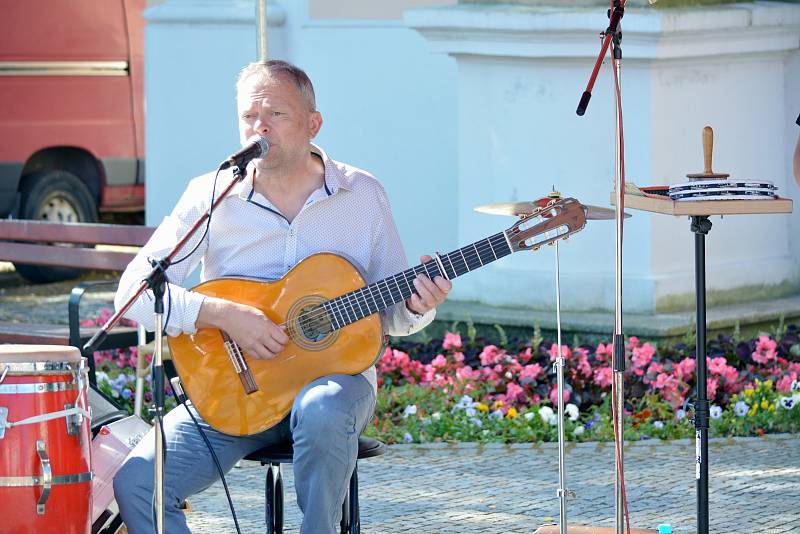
(708, 149)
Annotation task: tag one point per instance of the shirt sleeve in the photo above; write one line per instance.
(389, 258)
(181, 306)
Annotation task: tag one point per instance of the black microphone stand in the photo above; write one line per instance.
(156, 281)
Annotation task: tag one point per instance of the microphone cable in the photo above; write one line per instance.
(181, 398)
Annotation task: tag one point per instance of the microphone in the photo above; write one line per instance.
(256, 147)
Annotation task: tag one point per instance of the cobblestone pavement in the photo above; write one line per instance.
(468, 488)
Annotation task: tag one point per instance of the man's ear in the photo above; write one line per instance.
(314, 124)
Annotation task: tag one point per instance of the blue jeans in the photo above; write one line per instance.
(326, 419)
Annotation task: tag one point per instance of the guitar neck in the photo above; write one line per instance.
(380, 295)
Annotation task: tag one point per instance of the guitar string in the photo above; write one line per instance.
(345, 304)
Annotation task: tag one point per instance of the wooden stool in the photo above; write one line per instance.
(276, 455)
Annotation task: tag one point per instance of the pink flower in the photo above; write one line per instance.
(451, 341)
(685, 368)
(603, 352)
(664, 380)
(439, 361)
(603, 377)
(530, 373)
(467, 373)
(458, 356)
(565, 352)
(717, 366)
(554, 395)
(642, 356)
(784, 385)
(490, 355)
(765, 350)
(525, 356)
(655, 368)
(514, 393)
(711, 387)
(584, 367)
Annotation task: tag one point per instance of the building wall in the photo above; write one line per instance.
(388, 105)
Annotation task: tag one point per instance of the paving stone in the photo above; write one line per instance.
(470, 488)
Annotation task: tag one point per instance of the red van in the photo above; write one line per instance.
(71, 108)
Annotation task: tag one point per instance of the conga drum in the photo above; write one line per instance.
(45, 439)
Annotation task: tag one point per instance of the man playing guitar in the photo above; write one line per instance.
(294, 202)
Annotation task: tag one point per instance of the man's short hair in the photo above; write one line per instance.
(260, 72)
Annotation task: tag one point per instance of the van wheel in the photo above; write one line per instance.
(54, 196)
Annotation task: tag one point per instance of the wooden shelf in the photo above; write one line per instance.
(705, 207)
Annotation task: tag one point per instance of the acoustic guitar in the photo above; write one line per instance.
(332, 321)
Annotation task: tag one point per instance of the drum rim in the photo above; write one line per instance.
(42, 367)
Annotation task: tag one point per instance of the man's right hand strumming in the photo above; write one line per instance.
(247, 326)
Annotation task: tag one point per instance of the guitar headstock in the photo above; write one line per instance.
(558, 220)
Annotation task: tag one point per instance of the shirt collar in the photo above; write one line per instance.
(334, 177)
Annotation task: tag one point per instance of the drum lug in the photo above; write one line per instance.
(3, 420)
(47, 476)
(74, 421)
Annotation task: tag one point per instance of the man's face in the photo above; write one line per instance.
(277, 111)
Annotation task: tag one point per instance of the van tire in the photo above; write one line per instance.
(54, 196)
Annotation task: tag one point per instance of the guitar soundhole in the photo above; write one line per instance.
(314, 323)
(309, 325)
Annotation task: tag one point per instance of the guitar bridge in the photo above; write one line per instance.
(239, 364)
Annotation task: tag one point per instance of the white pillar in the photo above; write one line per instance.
(521, 72)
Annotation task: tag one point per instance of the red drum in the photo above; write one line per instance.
(45, 439)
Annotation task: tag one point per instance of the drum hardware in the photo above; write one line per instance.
(74, 420)
(47, 476)
(37, 387)
(48, 416)
(3, 421)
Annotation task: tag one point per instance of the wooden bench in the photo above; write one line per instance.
(40, 243)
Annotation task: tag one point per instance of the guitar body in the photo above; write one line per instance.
(209, 376)
(331, 319)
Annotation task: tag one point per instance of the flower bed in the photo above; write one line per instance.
(476, 391)
(472, 390)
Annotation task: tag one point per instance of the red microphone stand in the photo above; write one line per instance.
(612, 37)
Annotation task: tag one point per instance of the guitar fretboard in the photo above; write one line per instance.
(380, 295)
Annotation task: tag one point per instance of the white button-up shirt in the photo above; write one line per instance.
(249, 237)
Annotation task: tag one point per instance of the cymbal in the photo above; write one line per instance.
(527, 207)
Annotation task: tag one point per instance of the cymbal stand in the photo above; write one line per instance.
(558, 366)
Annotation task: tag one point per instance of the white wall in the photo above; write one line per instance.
(521, 73)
